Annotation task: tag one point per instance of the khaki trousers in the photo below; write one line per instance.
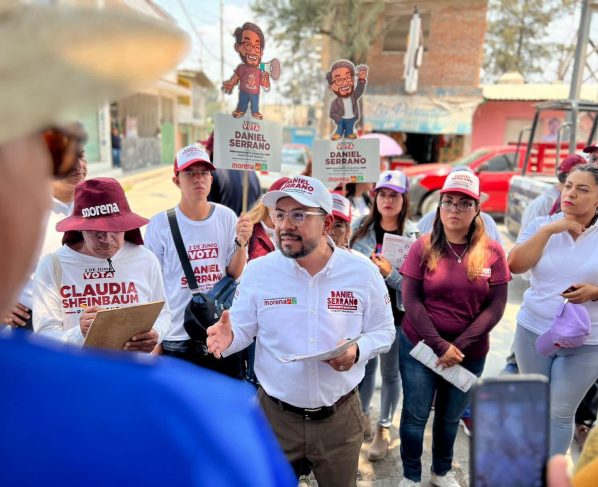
(331, 446)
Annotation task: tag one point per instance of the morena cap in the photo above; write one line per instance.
(395, 180)
(192, 154)
(465, 182)
(570, 329)
(569, 162)
(341, 207)
(100, 205)
(590, 149)
(305, 190)
(483, 196)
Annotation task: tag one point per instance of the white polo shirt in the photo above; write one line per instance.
(564, 261)
(290, 312)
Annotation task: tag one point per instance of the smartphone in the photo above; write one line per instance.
(510, 437)
(569, 289)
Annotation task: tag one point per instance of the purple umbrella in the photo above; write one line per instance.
(388, 146)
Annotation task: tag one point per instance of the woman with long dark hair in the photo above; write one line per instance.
(390, 214)
(454, 292)
(559, 251)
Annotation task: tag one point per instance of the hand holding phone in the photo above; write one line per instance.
(570, 289)
(510, 437)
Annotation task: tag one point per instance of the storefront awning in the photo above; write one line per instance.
(423, 114)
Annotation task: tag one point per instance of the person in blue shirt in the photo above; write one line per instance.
(74, 417)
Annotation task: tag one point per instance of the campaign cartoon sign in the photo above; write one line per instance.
(251, 75)
(348, 85)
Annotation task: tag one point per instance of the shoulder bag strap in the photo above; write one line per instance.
(180, 248)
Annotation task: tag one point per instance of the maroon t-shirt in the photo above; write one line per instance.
(250, 79)
(450, 299)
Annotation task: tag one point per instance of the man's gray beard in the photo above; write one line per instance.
(307, 248)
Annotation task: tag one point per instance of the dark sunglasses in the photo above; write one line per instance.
(65, 146)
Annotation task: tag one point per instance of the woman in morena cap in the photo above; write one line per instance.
(102, 264)
(454, 292)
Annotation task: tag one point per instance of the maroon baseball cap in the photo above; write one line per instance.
(101, 205)
(192, 154)
(569, 162)
(590, 149)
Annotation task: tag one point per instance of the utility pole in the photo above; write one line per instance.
(578, 65)
(221, 52)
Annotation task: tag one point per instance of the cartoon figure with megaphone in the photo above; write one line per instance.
(252, 74)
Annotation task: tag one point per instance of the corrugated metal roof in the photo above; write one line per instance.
(533, 92)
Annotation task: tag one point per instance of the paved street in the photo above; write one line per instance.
(152, 192)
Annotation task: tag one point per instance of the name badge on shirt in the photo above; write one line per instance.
(485, 272)
(342, 301)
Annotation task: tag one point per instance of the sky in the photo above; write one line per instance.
(203, 24)
(201, 19)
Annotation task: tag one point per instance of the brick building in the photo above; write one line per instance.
(435, 122)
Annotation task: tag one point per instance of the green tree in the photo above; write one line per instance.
(518, 37)
(352, 24)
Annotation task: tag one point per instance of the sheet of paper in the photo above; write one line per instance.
(112, 328)
(395, 248)
(457, 375)
(335, 352)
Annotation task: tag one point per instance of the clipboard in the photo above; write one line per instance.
(112, 328)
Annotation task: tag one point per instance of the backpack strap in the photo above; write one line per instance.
(180, 248)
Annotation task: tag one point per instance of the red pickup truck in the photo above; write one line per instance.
(494, 165)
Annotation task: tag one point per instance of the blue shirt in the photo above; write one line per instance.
(75, 417)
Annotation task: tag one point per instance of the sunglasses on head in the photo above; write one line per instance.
(65, 146)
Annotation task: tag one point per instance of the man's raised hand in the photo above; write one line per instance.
(220, 335)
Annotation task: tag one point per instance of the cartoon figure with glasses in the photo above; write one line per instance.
(252, 73)
(344, 110)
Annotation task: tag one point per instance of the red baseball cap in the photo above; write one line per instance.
(279, 183)
(192, 154)
(100, 205)
(590, 149)
(341, 207)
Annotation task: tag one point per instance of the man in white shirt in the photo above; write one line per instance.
(215, 241)
(305, 298)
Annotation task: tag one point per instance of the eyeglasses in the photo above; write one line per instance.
(252, 47)
(65, 147)
(296, 217)
(345, 80)
(447, 205)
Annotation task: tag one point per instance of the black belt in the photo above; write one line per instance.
(313, 414)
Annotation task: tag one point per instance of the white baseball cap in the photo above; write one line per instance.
(192, 154)
(395, 180)
(303, 189)
(341, 207)
(465, 182)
